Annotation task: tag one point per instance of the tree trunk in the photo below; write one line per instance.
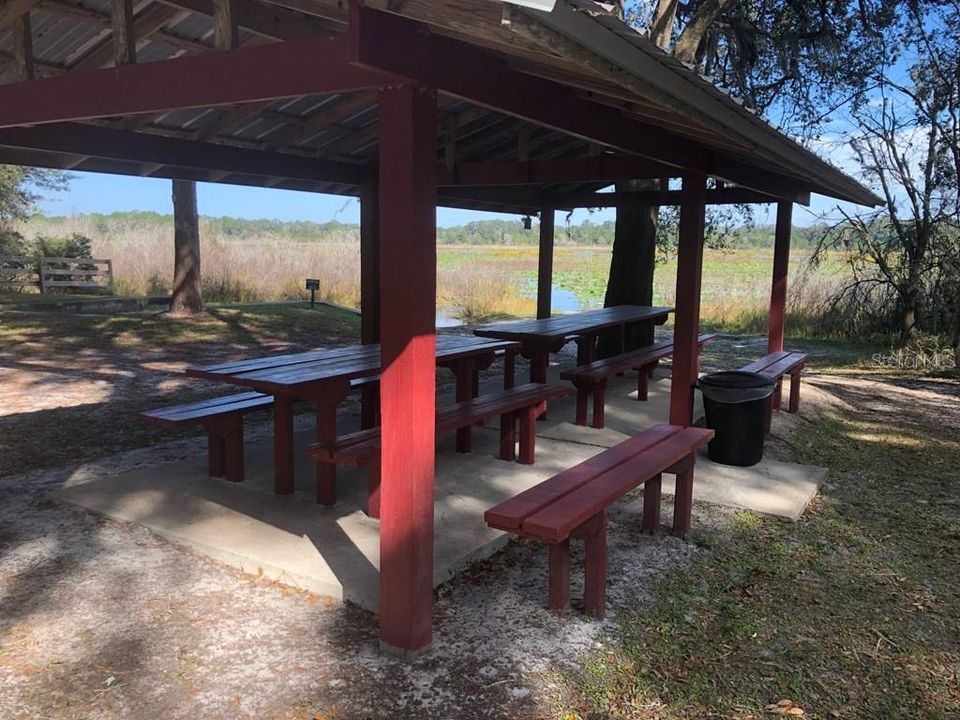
(631, 266)
(187, 297)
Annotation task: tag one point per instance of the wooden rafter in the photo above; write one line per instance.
(168, 37)
(13, 10)
(270, 22)
(124, 32)
(226, 30)
(23, 48)
(325, 119)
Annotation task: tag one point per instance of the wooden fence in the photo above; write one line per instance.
(48, 274)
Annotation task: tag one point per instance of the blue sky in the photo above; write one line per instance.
(99, 193)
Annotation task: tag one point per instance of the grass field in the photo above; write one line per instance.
(852, 612)
(474, 283)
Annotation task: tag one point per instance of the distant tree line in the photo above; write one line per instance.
(478, 232)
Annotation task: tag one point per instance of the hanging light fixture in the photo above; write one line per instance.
(527, 222)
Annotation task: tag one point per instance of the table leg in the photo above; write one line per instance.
(283, 445)
(326, 433)
(539, 362)
(509, 369)
(465, 370)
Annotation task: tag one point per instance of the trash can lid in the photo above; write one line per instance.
(736, 386)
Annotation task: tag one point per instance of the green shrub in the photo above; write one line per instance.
(74, 245)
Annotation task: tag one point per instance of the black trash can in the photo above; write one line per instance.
(735, 403)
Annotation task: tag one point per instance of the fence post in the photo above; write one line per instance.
(40, 268)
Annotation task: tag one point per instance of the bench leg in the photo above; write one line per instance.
(528, 433)
(768, 420)
(794, 405)
(373, 488)
(599, 398)
(777, 393)
(559, 597)
(508, 437)
(583, 397)
(595, 568)
(651, 504)
(683, 499)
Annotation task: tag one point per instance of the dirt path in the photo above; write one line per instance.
(104, 620)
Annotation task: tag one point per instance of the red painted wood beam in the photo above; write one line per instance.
(545, 263)
(304, 66)
(724, 196)
(408, 152)
(781, 265)
(405, 47)
(107, 143)
(686, 318)
(598, 168)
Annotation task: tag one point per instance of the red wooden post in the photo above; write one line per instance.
(781, 262)
(369, 288)
(686, 320)
(408, 150)
(545, 263)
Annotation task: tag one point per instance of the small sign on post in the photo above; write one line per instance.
(313, 285)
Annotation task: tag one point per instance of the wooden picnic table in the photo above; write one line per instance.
(324, 377)
(539, 338)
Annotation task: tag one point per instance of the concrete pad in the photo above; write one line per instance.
(335, 551)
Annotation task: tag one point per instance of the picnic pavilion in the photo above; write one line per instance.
(407, 104)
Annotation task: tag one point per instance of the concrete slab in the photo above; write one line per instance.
(335, 551)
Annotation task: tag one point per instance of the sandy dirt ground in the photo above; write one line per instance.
(104, 620)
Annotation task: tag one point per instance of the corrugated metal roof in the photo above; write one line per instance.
(344, 127)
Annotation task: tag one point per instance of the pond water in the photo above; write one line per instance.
(562, 301)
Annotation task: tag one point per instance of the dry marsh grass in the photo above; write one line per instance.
(474, 283)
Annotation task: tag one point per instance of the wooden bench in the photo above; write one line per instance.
(775, 366)
(527, 401)
(222, 419)
(591, 378)
(574, 504)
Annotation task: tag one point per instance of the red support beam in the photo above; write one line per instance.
(646, 198)
(781, 264)
(405, 47)
(107, 143)
(408, 151)
(545, 263)
(305, 66)
(686, 320)
(598, 168)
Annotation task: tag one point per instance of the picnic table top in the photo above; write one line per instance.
(562, 326)
(279, 373)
